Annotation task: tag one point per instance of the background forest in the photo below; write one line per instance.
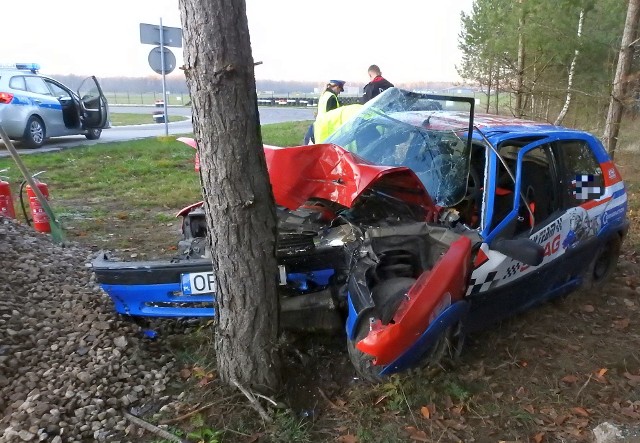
(547, 60)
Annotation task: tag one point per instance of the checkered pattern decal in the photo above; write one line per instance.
(584, 189)
(512, 270)
(482, 283)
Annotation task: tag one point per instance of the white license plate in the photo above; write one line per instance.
(198, 283)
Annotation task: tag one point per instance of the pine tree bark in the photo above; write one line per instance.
(238, 199)
(625, 58)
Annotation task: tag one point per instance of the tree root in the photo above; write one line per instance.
(254, 402)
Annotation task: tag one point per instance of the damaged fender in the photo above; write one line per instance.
(435, 292)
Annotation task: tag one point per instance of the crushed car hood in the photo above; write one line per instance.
(329, 172)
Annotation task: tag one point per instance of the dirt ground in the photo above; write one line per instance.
(550, 375)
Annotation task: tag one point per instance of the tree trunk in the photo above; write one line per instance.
(520, 69)
(533, 91)
(572, 70)
(489, 85)
(497, 88)
(612, 125)
(238, 199)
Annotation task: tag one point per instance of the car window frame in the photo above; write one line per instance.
(564, 170)
(503, 228)
(48, 93)
(49, 81)
(24, 84)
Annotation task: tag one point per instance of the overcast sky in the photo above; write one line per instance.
(311, 40)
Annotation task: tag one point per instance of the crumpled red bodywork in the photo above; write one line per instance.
(432, 293)
(332, 173)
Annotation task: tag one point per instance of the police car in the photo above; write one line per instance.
(34, 107)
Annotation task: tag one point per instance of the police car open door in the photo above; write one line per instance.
(94, 106)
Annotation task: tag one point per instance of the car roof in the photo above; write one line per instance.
(14, 72)
(490, 125)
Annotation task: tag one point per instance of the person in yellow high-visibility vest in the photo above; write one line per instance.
(329, 98)
(329, 122)
(328, 101)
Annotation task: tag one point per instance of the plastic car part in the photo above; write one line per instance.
(434, 291)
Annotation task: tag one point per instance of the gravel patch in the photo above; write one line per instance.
(69, 365)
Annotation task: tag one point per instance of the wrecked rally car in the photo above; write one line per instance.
(414, 224)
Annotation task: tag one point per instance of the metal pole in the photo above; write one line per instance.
(164, 82)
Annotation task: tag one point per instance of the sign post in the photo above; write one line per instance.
(161, 59)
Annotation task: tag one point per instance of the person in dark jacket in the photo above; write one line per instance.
(377, 84)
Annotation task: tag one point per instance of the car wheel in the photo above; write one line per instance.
(447, 347)
(34, 133)
(604, 263)
(93, 134)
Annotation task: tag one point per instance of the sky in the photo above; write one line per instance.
(306, 40)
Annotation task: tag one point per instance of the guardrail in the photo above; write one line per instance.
(306, 101)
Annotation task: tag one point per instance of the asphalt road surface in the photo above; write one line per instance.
(122, 133)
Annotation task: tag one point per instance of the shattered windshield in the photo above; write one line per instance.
(424, 132)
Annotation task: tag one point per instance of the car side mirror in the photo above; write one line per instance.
(524, 250)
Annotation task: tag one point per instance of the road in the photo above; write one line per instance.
(268, 115)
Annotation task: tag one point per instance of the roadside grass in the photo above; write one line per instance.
(137, 174)
(125, 119)
(101, 191)
(285, 134)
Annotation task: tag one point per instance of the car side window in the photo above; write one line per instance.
(537, 199)
(581, 175)
(17, 82)
(36, 85)
(56, 90)
(538, 178)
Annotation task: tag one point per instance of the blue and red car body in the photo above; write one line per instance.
(462, 275)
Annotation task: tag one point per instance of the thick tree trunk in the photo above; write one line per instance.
(238, 198)
(612, 125)
(572, 70)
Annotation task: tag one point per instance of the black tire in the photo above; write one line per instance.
(35, 133)
(363, 363)
(604, 264)
(93, 134)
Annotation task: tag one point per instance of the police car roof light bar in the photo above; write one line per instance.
(32, 67)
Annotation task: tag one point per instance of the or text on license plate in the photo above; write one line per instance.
(198, 283)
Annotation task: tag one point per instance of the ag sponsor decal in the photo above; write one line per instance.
(550, 248)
